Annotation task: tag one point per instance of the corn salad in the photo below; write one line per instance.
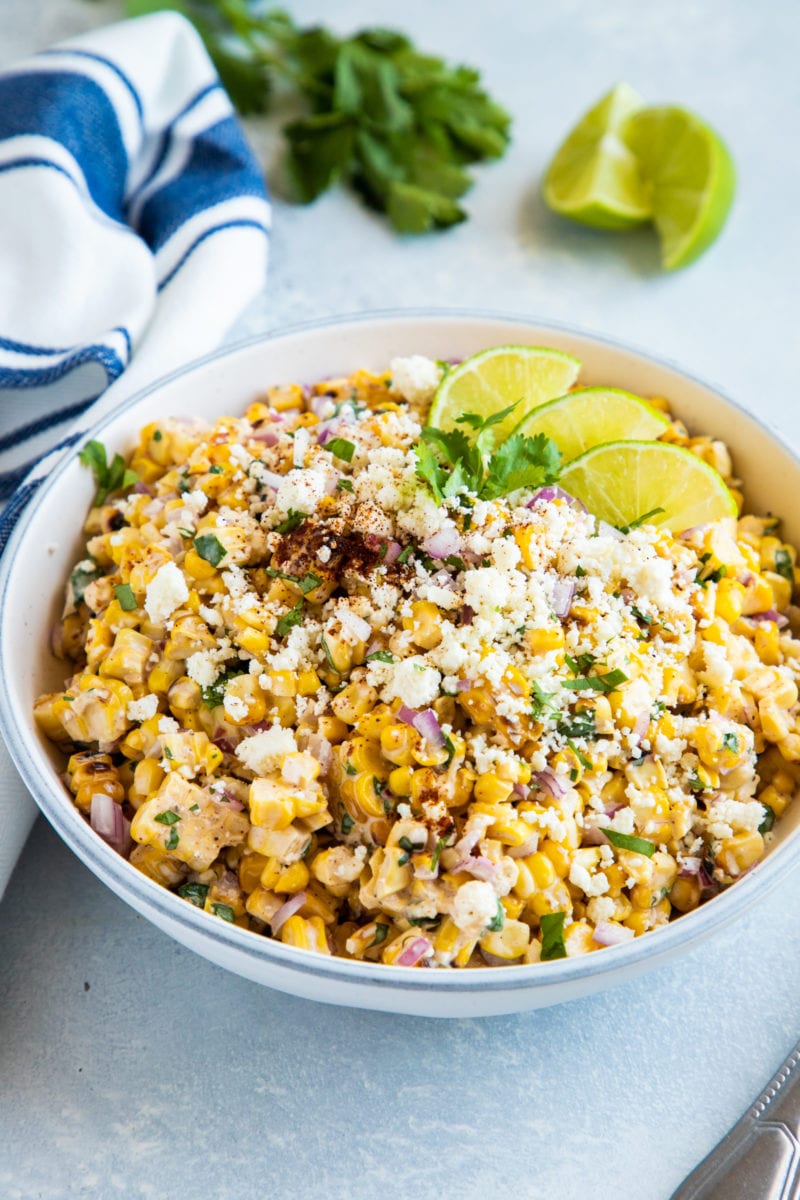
(321, 705)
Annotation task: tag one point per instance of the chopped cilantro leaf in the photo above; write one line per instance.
(341, 448)
(437, 854)
(347, 824)
(540, 704)
(579, 724)
(292, 521)
(582, 759)
(81, 577)
(450, 463)
(345, 485)
(642, 520)
(498, 920)
(643, 617)
(730, 741)
(381, 934)
(351, 768)
(580, 572)
(213, 695)
(596, 683)
(581, 664)
(225, 911)
(405, 554)
(157, 436)
(173, 840)
(113, 477)
(167, 818)
(552, 927)
(626, 841)
(768, 819)
(216, 469)
(125, 596)
(289, 619)
(784, 565)
(210, 548)
(380, 656)
(327, 650)
(195, 893)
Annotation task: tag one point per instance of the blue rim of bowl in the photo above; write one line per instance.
(126, 881)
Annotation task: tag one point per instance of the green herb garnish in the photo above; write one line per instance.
(214, 695)
(540, 704)
(225, 911)
(730, 741)
(289, 619)
(210, 548)
(784, 565)
(216, 469)
(172, 841)
(167, 818)
(329, 657)
(626, 841)
(306, 582)
(380, 656)
(81, 577)
(346, 485)
(450, 463)
(578, 725)
(195, 893)
(552, 927)
(347, 823)
(437, 854)
(125, 596)
(596, 683)
(109, 478)
(381, 934)
(341, 448)
(405, 554)
(582, 759)
(642, 520)
(768, 820)
(498, 920)
(293, 520)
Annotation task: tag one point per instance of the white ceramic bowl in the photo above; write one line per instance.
(47, 542)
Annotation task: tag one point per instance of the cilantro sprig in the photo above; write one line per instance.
(451, 463)
(400, 126)
(109, 477)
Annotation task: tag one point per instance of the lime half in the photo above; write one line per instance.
(590, 416)
(594, 177)
(622, 482)
(493, 379)
(691, 176)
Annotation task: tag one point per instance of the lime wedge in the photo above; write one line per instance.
(494, 379)
(590, 416)
(621, 482)
(691, 177)
(594, 177)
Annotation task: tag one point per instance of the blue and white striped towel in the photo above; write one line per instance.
(134, 231)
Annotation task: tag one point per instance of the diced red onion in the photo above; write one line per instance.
(467, 615)
(771, 614)
(270, 478)
(549, 782)
(416, 949)
(318, 405)
(563, 593)
(356, 626)
(466, 844)
(745, 578)
(606, 530)
(279, 918)
(593, 836)
(443, 544)
(522, 790)
(324, 434)
(690, 866)
(606, 933)
(642, 724)
(143, 489)
(407, 715)
(153, 509)
(227, 798)
(480, 868)
(530, 846)
(107, 819)
(494, 960)
(427, 726)
(556, 493)
(225, 744)
(444, 579)
(393, 552)
(267, 437)
(321, 749)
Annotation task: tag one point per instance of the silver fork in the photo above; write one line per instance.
(760, 1158)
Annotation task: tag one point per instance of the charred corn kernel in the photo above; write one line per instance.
(545, 639)
(308, 683)
(292, 880)
(372, 724)
(198, 567)
(253, 641)
(512, 905)
(163, 675)
(739, 852)
(685, 893)
(428, 754)
(767, 643)
(774, 721)
(424, 624)
(263, 904)
(244, 702)
(367, 793)
(147, 779)
(250, 868)
(305, 933)
(271, 804)
(93, 774)
(775, 799)
(509, 831)
(491, 789)
(558, 856)
(400, 781)
(729, 602)
(332, 729)
(353, 702)
(398, 743)
(579, 939)
(510, 942)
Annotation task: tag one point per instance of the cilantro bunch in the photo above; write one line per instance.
(450, 463)
(401, 126)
